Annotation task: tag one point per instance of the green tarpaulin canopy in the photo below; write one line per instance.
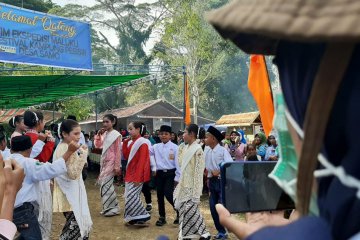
(24, 91)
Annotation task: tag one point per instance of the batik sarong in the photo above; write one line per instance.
(192, 224)
(109, 201)
(134, 208)
(71, 230)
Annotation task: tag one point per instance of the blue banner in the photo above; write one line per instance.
(30, 37)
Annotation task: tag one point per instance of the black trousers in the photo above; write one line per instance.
(165, 188)
(147, 192)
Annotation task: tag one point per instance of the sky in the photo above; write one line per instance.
(111, 35)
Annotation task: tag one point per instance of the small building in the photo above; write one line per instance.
(250, 122)
(153, 113)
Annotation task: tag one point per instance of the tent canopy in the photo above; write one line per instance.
(24, 91)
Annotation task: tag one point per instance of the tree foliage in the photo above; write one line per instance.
(216, 69)
(36, 5)
(79, 107)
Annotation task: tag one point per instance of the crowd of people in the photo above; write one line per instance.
(177, 165)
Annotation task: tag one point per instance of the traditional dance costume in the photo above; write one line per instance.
(137, 171)
(187, 193)
(110, 160)
(70, 196)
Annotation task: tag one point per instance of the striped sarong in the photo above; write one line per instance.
(192, 224)
(134, 208)
(110, 204)
(71, 230)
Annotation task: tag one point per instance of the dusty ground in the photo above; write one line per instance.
(114, 228)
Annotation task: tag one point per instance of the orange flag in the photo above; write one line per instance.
(259, 86)
(187, 103)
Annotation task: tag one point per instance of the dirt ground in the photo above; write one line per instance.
(114, 228)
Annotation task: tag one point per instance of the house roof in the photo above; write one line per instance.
(5, 115)
(145, 110)
(239, 119)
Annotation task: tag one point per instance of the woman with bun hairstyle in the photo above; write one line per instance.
(69, 195)
(17, 122)
(187, 193)
(136, 151)
(43, 147)
(109, 140)
(35, 123)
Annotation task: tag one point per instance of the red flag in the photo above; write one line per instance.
(259, 86)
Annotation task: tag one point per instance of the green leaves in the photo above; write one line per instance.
(80, 107)
(36, 5)
(217, 70)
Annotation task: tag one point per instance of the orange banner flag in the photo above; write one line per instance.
(187, 103)
(259, 86)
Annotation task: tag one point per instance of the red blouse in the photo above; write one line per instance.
(47, 150)
(138, 170)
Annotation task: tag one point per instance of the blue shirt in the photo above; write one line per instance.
(271, 151)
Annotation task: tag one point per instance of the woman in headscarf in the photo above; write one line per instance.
(271, 152)
(261, 146)
(237, 145)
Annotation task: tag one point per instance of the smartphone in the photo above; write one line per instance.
(246, 187)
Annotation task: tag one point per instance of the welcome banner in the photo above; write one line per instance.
(30, 37)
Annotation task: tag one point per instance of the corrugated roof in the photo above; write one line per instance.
(133, 110)
(240, 119)
(5, 115)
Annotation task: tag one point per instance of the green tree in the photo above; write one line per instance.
(139, 93)
(215, 67)
(36, 5)
(100, 51)
(79, 107)
(132, 23)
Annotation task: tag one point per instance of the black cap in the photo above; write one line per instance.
(165, 128)
(21, 143)
(216, 133)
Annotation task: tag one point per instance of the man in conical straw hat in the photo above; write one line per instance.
(316, 49)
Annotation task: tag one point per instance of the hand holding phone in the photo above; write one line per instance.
(246, 187)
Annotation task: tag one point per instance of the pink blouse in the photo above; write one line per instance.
(111, 159)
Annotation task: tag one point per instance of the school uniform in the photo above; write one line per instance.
(213, 158)
(168, 171)
(27, 199)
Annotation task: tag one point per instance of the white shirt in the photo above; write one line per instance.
(37, 148)
(165, 156)
(214, 157)
(6, 153)
(82, 139)
(35, 172)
